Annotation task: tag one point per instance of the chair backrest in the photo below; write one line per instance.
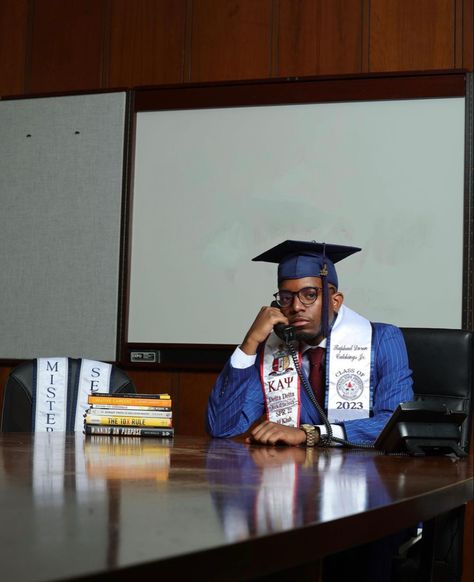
(442, 361)
(17, 413)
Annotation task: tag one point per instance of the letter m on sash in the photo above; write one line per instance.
(50, 368)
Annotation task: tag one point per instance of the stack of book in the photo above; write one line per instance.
(147, 415)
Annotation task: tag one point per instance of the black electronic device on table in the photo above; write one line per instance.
(422, 428)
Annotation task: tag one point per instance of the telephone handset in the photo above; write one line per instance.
(283, 331)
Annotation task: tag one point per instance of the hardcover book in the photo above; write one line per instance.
(127, 420)
(129, 431)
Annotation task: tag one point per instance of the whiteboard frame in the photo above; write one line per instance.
(294, 91)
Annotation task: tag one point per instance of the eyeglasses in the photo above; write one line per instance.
(307, 296)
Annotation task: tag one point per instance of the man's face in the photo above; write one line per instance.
(306, 319)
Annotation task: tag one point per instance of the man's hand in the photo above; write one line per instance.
(272, 433)
(261, 328)
(277, 456)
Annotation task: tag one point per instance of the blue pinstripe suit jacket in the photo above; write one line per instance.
(237, 400)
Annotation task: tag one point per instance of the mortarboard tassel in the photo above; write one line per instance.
(325, 306)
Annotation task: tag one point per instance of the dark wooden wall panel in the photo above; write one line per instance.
(189, 391)
(13, 41)
(407, 35)
(194, 390)
(319, 37)
(147, 382)
(231, 39)
(67, 45)
(147, 42)
(54, 46)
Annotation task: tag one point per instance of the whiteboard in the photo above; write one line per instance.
(61, 177)
(215, 187)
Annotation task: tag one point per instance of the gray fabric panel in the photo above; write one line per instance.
(61, 173)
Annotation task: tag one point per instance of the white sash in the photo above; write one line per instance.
(281, 384)
(93, 377)
(347, 377)
(51, 394)
(350, 343)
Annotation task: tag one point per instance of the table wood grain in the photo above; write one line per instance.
(78, 508)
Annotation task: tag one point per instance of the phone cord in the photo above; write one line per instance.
(327, 439)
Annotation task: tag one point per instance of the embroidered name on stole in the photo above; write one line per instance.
(51, 394)
(281, 384)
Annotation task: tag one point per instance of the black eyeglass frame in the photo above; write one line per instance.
(305, 302)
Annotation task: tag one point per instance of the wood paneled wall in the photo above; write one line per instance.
(54, 46)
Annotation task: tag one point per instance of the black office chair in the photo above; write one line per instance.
(17, 413)
(442, 361)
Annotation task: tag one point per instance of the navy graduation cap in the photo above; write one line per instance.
(297, 259)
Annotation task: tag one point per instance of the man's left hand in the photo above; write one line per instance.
(272, 433)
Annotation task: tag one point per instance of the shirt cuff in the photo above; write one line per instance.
(337, 431)
(241, 360)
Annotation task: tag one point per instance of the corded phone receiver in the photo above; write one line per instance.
(283, 331)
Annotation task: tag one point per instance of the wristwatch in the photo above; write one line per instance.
(312, 434)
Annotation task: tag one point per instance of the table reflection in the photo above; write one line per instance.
(71, 487)
(89, 461)
(127, 458)
(260, 490)
(92, 505)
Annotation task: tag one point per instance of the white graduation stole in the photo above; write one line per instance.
(350, 347)
(51, 392)
(51, 395)
(348, 394)
(93, 377)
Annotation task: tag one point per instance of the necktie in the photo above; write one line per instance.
(316, 373)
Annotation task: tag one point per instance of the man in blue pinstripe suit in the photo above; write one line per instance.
(365, 370)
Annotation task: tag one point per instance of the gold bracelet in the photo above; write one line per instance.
(312, 434)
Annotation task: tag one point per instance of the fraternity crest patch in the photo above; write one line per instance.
(281, 363)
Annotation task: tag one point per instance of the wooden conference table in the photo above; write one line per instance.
(81, 508)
